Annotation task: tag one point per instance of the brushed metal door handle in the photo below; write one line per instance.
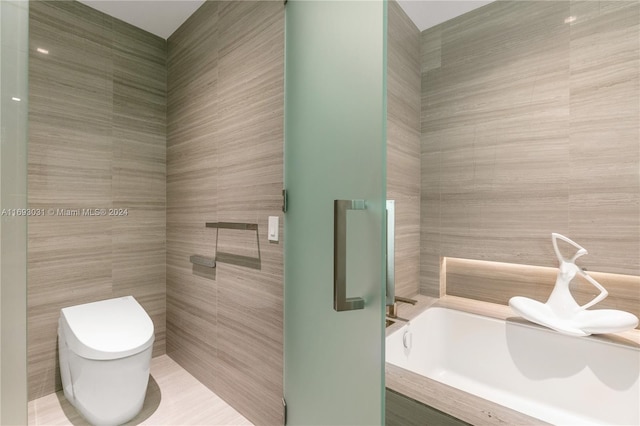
(340, 300)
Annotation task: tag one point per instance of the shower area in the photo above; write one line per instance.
(233, 178)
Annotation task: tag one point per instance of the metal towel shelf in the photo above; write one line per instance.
(208, 262)
(233, 225)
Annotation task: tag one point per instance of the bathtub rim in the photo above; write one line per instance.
(629, 338)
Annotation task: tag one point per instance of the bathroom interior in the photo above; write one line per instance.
(490, 124)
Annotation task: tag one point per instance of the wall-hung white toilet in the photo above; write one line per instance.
(105, 353)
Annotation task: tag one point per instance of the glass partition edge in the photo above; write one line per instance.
(14, 22)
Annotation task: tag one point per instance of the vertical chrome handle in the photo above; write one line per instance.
(340, 300)
(391, 252)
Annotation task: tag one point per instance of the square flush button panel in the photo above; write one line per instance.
(273, 228)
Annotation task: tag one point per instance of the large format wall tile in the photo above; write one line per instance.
(250, 182)
(192, 192)
(96, 140)
(225, 163)
(495, 282)
(403, 145)
(604, 144)
(530, 125)
(139, 171)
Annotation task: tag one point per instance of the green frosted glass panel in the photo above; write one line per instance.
(335, 143)
(14, 23)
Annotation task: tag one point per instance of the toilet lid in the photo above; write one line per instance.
(107, 329)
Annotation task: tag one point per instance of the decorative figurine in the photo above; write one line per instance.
(562, 313)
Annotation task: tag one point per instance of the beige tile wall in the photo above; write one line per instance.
(96, 140)
(531, 125)
(497, 282)
(225, 163)
(403, 145)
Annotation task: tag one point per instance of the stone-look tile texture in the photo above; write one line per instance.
(225, 163)
(97, 140)
(403, 145)
(531, 125)
(494, 282)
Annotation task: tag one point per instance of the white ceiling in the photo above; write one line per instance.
(163, 17)
(159, 17)
(428, 13)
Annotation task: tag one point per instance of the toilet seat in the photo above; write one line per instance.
(108, 329)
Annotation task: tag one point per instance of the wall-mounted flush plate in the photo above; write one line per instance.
(273, 228)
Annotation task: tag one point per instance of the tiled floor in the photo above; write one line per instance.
(174, 397)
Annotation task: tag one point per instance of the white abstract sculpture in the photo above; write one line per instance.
(562, 313)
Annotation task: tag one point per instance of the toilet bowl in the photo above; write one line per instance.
(105, 353)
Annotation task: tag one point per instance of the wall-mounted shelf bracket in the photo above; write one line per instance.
(205, 261)
(233, 225)
(246, 261)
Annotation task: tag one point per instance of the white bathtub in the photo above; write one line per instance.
(559, 379)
